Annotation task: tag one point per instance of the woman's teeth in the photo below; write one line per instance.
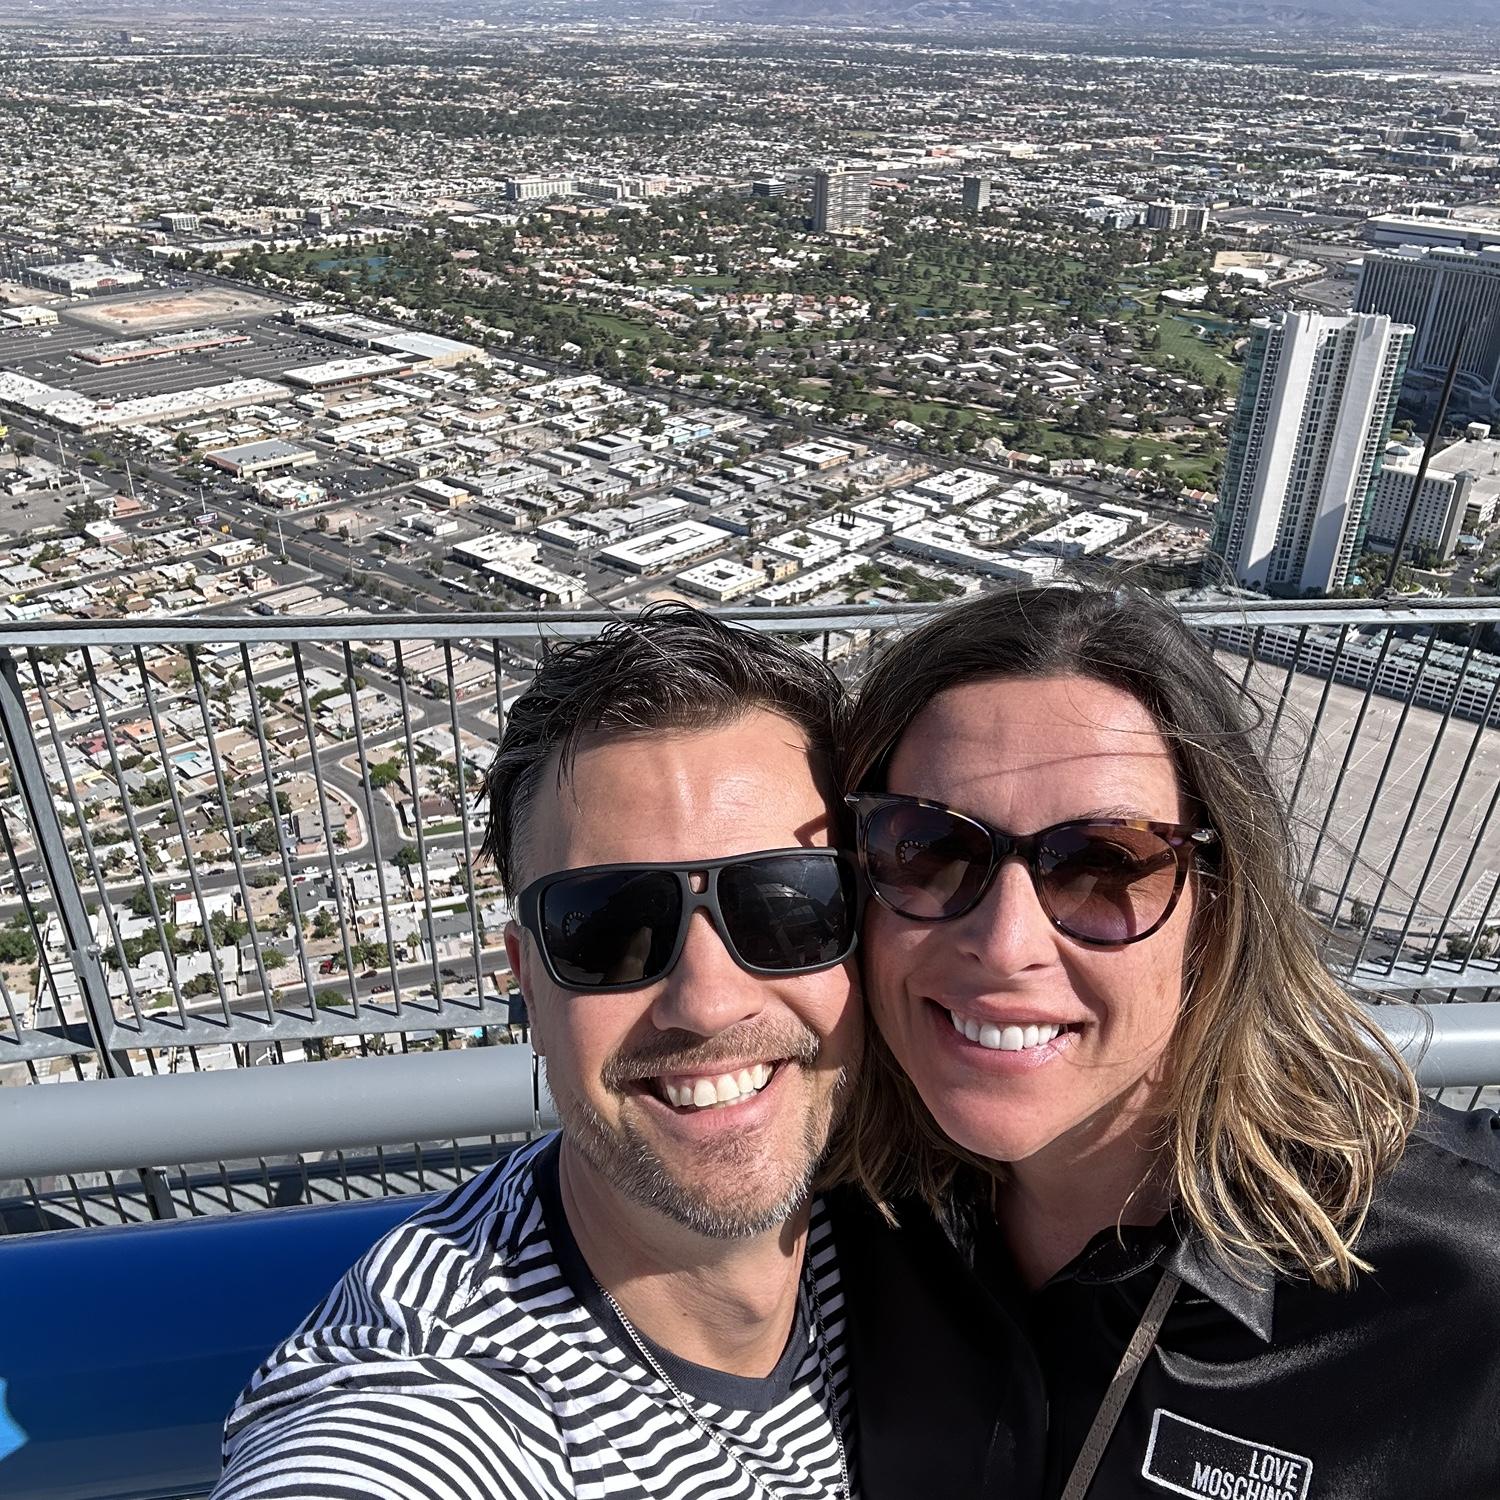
(726, 1088)
(1003, 1038)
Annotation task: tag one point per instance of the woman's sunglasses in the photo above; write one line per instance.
(619, 927)
(1103, 881)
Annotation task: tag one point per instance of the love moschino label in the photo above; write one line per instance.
(1188, 1458)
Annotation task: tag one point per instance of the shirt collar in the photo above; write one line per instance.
(1247, 1294)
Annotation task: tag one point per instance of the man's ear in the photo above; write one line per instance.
(521, 971)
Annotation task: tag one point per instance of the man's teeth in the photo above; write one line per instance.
(1003, 1038)
(726, 1088)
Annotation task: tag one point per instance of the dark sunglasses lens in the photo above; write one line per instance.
(923, 861)
(616, 927)
(790, 912)
(1106, 884)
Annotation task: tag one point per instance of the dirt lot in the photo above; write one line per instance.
(134, 315)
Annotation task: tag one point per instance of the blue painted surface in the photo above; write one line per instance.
(121, 1350)
(11, 1436)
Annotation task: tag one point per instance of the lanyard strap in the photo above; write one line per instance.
(1140, 1345)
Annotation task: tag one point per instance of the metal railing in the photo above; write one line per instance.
(230, 842)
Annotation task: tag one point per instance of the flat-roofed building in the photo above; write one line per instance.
(1080, 535)
(721, 580)
(951, 542)
(529, 189)
(269, 456)
(803, 546)
(29, 317)
(1458, 498)
(333, 373)
(809, 584)
(1447, 233)
(87, 275)
(668, 547)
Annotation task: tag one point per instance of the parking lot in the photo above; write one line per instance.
(1385, 771)
(46, 355)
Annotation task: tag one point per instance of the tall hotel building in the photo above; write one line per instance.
(841, 200)
(1310, 430)
(1442, 293)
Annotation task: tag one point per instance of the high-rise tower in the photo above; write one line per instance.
(1442, 294)
(841, 200)
(1314, 414)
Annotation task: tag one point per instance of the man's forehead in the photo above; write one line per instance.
(678, 795)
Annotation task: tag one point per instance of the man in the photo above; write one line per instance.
(647, 1304)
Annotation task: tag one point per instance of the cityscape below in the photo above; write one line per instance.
(340, 368)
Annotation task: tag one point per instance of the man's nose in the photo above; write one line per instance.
(707, 992)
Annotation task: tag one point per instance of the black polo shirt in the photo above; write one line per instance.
(1269, 1391)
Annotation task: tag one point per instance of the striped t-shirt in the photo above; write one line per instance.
(470, 1356)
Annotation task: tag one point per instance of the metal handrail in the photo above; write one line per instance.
(1378, 614)
(387, 1101)
(130, 1123)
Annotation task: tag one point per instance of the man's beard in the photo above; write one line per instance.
(715, 1207)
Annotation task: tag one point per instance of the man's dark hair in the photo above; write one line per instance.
(669, 667)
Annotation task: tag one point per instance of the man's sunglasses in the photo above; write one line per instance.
(1102, 881)
(618, 927)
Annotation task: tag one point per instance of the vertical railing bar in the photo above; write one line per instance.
(1374, 801)
(343, 1172)
(286, 859)
(1463, 874)
(1448, 813)
(1411, 812)
(1338, 785)
(187, 1187)
(62, 878)
(44, 965)
(128, 808)
(463, 823)
(13, 859)
(369, 785)
(229, 825)
(1286, 686)
(114, 1193)
(101, 886)
(333, 863)
(187, 847)
(1317, 720)
(1479, 926)
(1251, 661)
(10, 1004)
(416, 810)
(83, 1211)
(385, 1187)
(228, 1187)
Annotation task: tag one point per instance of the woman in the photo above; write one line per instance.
(1113, 1065)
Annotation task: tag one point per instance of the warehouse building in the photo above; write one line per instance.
(254, 460)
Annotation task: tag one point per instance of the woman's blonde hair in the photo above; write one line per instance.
(1285, 1104)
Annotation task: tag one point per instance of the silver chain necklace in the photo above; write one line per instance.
(825, 1371)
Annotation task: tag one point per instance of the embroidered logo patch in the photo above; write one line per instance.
(1188, 1458)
